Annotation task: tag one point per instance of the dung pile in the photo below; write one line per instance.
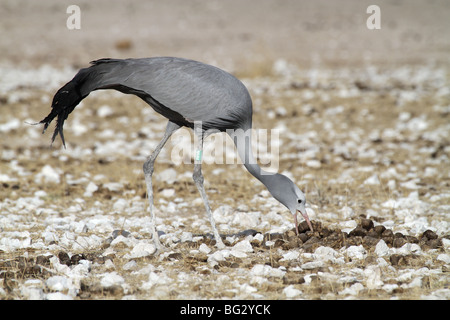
(365, 234)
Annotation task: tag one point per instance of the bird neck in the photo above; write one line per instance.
(243, 142)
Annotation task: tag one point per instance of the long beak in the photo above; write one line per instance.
(305, 215)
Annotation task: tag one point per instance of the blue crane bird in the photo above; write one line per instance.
(186, 92)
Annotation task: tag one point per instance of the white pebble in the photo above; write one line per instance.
(130, 265)
(259, 237)
(104, 111)
(312, 265)
(444, 257)
(186, 236)
(120, 205)
(390, 287)
(11, 125)
(347, 212)
(246, 219)
(243, 246)
(356, 252)
(382, 249)
(58, 283)
(291, 292)
(32, 293)
(313, 164)
(409, 248)
(348, 225)
(353, 290)
(113, 186)
(142, 249)
(325, 253)
(373, 274)
(90, 189)
(204, 248)
(111, 279)
(223, 214)
(290, 255)
(120, 240)
(57, 296)
(266, 271)
(218, 256)
(109, 265)
(168, 193)
(416, 282)
(47, 175)
(372, 180)
(169, 176)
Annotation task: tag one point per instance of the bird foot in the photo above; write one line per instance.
(159, 248)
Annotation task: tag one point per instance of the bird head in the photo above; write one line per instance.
(286, 192)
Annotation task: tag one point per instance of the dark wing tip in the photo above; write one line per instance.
(61, 115)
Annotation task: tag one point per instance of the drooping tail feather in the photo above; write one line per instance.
(69, 96)
(64, 101)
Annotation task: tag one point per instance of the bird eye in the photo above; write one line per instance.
(299, 200)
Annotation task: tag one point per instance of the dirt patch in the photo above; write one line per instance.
(21, 268)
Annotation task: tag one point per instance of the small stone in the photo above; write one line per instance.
(430, 235)
(204, 248)
(312, 265)
(90, 189)
(356, 252)
(111, 279)
(58, 283)
(118, 232)
(388, 236)
(411, 239)
(358, 232)
(379, 229)
(303, 227)
(444, 258)
(43, 260)
(370, 241)
(372, 233)
(64, 258)
(434, 243)
(396, 259)
(366, 224)
(398, 242)
(398, 235)
(175, 256)
(243, 246)
(141, 250)
(291, 292)
(291, 255)
(168, 175)
(381, 249)
(293, 278)
(76, 258)
(186, 236)
(303, 237)
(387, 233)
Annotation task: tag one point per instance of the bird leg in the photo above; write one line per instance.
(148, 172)
(198, 179)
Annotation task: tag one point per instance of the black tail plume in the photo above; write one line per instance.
(100, 75)
(64, 101)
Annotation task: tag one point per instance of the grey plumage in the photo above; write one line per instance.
(186, 92)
